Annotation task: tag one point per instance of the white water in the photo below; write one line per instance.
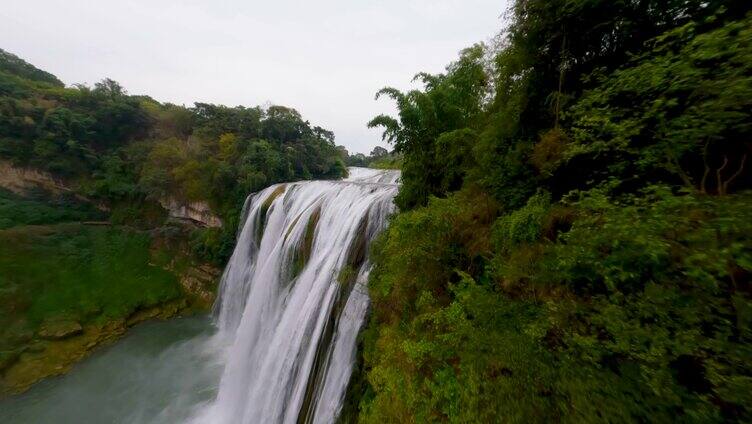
(292, 323)
(285, 344)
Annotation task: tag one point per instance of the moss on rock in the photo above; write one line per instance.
(265, 206)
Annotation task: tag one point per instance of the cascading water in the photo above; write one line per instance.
(292, 301)
(293, 298)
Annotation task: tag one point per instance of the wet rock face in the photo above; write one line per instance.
(196, 212)
(200, 283)
(59, 329)
(22, 181)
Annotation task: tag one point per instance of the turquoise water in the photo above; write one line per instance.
(161, 372)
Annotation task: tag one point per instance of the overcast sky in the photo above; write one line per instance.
(325, 58)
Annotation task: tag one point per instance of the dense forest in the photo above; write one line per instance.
(128, 152)
(573, 242)
(97, 252)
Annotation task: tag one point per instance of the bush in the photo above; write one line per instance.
(636, 310)
(524, 225)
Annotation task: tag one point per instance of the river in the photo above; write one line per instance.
(160, 372)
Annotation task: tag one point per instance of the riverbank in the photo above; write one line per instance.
(157, 373)
(68, 288)
(44, 358)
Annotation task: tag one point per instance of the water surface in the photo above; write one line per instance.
(160, 372)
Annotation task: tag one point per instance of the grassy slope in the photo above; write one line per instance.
(78, 272)
(390, 162)
(38, 209)
(67, 271)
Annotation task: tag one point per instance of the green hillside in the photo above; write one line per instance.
(573, 242)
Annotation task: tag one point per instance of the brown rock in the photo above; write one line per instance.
(142, 315)
(59, 329)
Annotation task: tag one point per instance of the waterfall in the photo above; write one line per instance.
(293, 298)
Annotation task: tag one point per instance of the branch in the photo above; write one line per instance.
(427, 78)
(391, 92)
(673, 163)
(736, 174)
(561, 81)
(718, 174)
(707, 168)
(390, 125)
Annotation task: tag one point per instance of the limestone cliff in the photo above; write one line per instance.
(196, 212)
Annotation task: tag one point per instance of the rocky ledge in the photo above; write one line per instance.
(61, 344)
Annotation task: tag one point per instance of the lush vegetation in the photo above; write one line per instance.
(573, 242)
(40, 208)
(54, 268)
(74, 273)
(379, 158)
(99, 154)
(131, 152)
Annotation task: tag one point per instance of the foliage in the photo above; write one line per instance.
(575, 247)
(522, 226)
(634, 312)
(682, 108)
(379, 158)
(40, 209)
(131, 152)
(12, 64)
(71, 271)
(450, 102)
(387, 162)
(213, 244)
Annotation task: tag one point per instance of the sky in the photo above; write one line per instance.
(325, 58)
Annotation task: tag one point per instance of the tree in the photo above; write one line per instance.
(109, 88)
(449, 102)
(378, 152)
(681, 109)
(283, 124)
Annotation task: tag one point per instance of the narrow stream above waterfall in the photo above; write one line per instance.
(281, 343)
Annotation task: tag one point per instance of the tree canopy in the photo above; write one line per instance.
(573, 236)
(124, 149)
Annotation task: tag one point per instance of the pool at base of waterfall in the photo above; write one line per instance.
(291, 303)
(161, 372)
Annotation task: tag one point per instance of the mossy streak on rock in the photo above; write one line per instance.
(265, 206)
(356, 255)
(347, 275)
(303, 252)
(346, 278)
(292, 227)
(357, 252)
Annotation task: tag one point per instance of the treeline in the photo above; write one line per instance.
(379, 158)
(131, 151)
(573, 237)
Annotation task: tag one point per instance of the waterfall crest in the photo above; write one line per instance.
(293, 298)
